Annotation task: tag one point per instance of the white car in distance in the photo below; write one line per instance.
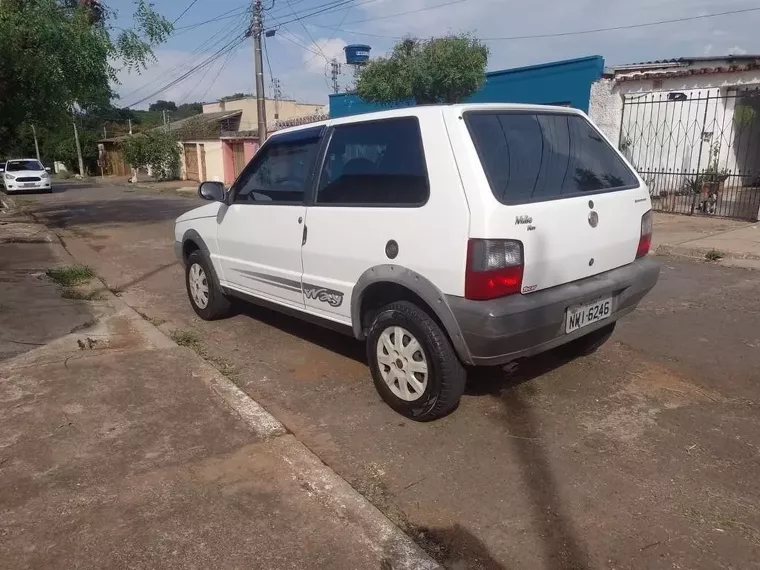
(23, 174)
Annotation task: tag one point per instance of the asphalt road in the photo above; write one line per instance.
(644, 455)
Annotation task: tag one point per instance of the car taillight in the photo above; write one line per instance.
(494, 269)
(645, 241)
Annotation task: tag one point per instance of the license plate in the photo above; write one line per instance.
(29, 184)
(579, 316)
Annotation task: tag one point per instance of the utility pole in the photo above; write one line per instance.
(130, 126)
(277, 94)
(334, 73)
(76, 140)
(36, 146)
(105, 133)
(256, 30)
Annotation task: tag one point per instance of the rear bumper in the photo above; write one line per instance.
(502, 330)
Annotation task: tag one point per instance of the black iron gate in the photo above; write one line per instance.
(698, 151)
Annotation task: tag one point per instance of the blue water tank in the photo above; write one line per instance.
(356, 54)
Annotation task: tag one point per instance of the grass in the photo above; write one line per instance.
(191, 340)
(71, 275)
(714, 255)
(71, 293)
(187, 338)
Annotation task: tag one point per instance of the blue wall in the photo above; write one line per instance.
(565, 82)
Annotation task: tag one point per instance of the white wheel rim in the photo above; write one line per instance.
(402, 363)
(198, 286)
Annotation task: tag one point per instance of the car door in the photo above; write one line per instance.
(260, 232)
(374, 206)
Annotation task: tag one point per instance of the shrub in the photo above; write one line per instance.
(158, 150)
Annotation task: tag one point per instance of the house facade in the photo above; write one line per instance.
(691, 128)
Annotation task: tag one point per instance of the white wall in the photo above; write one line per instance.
(673, 136)
(606, 108)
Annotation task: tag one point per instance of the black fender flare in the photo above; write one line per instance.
(421, 287)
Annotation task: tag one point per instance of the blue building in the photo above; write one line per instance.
(565, 82)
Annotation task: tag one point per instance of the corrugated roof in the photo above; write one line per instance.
(685, 72)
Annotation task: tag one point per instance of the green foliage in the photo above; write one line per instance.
(157, 149)
(66, 151)
(235, 96)
(71, 275)
(744, 115)
(198, 128)
(438, 70)
(714, 255)
(162, 105)
(58, 54)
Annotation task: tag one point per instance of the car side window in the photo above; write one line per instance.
(280, 173)
(377, 163)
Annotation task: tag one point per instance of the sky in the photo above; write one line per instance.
(303, 44)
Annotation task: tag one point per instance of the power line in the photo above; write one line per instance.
(572, 33)
(231, 45)
(266, 54)
(345, 14)
(235, 12)
(184, 11)
(227, 60)
(407, 12)
(192, 56)
(317, 12)
(307, 32)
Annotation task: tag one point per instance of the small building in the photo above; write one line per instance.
(566, 83)
(691, 128)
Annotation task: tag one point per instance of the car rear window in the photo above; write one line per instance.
(532, 157)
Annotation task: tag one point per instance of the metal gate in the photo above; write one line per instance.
(698, 151)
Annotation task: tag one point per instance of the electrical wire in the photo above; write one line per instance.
(208, 61)
(184, 11)
(407, 12)
(227, 60)
(191, 57)
(572, 33)
(269, 65)
(345, 14)
(235, 12)
(319, 49)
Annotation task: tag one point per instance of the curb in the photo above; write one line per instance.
(378, 532)
(746, 261)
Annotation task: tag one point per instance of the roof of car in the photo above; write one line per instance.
(421, 110)
(21, 159)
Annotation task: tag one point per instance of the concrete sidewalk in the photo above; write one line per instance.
(120, 449)
(696, 236)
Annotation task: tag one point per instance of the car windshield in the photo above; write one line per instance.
(21, 165)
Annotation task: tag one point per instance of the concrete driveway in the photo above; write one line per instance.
(644, 455)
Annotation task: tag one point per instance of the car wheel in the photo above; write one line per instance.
(413, 364)
(590, 343)
(206, 297)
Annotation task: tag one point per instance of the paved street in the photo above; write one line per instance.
(644, 455)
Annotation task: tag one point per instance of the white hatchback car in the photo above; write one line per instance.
(443, 236)
(23, 174)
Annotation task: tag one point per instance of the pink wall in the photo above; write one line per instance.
(249, 149)
(250, 146)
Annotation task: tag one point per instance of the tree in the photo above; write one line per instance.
(162, 105)
(438, 70)
(157, 149)
(59, 54)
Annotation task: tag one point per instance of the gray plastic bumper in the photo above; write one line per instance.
(505, 329)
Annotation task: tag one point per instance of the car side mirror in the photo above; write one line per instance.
(211, 190)
(47, 169)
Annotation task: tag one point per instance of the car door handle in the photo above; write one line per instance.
(305, 233)
(300, 219)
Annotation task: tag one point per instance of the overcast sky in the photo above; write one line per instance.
(303, 73)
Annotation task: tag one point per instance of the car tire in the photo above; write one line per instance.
(203, 290)
(425, 396)
(590, 343)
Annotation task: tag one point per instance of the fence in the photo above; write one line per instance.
(698, 151)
